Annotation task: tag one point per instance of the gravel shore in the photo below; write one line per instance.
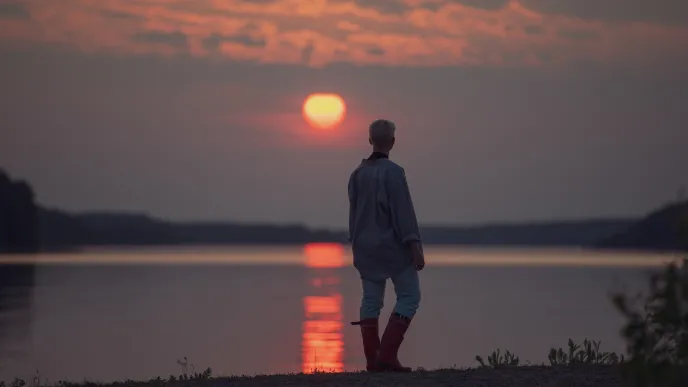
(529, 376)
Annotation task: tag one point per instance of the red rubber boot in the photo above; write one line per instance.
(370, 334)
(388, 359)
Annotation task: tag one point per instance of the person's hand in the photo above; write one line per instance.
(417, 256)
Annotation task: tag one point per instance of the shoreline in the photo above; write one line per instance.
(594, 375)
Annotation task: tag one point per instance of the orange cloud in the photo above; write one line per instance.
(321, 32)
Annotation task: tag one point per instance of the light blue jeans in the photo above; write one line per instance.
(406, 287)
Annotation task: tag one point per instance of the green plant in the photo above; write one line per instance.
(588, 353)
(193, 375)
(497, 360)
(15, 383)
(656, 331)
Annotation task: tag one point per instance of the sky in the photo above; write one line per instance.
(506, 110)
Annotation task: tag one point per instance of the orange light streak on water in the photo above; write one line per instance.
(322, 340)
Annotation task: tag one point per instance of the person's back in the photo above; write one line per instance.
(380, 233)
(385, 240)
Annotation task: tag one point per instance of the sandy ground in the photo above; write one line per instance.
(582, 376)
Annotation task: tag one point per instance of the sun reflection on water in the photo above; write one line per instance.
(323, 341)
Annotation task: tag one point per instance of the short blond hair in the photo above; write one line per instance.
(381, 130)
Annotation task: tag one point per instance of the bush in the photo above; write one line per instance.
(656, 331)
(499, 360)
(588, 353)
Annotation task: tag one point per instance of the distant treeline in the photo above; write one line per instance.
(19, 223)
(664, 229)
(60, 229)
(27, 227)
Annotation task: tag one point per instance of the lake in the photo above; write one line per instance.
(133, 313)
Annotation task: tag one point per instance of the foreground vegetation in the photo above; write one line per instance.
(527, 376)
(656, 335)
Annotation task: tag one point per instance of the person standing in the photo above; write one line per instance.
(386, 244)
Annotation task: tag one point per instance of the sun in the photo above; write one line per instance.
(324, 111)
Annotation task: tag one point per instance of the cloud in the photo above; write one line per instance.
(485, 4)
(371, 32)
(122, 15)
(348, 26)
(652, 11)
(385, 7)
(175, 39)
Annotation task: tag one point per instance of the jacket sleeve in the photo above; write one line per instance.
(352, 206)
(401, 206)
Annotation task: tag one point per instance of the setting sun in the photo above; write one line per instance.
(324, 111)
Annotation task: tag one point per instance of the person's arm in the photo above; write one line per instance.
(352, 206)
(402, 211)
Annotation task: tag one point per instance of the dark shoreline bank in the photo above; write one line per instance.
(522, 376)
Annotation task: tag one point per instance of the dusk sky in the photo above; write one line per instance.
(506, 110)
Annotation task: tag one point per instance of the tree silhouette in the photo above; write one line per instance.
(19, 224)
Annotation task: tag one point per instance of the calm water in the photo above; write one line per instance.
(111, 315)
